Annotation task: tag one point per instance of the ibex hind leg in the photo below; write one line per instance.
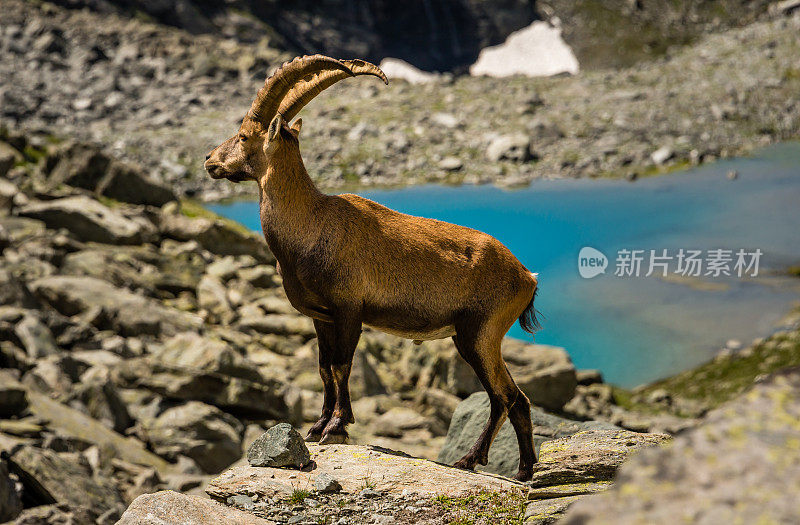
(481, 349)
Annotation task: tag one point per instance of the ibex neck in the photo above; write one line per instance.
(288, 198)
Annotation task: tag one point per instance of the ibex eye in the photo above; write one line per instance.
(242, 138)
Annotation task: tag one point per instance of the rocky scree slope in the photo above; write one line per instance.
(164, 98)
(658, 480)
(144, 343)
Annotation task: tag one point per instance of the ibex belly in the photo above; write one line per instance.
(427, 335)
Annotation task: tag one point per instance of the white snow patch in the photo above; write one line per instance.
(535, 51)
(400, 69)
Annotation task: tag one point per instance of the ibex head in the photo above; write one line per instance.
(245, 155)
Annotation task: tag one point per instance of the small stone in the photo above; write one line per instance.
(369, 493)
(516, 147)
(661, 155)
(733, 175)
(280, 446)
(242, 501)
(451, 164)
(326, 483)
(298, 518)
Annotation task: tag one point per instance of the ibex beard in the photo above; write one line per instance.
(347, 261)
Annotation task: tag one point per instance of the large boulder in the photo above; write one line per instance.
(471, 416)
(263, 399)
(127, 313)
(67, 478)
(88, 220)
(545, 373)
(215, 235)
(354, 467)
(75, 425)
(88, 167)
(202, 432)
(127, 183)
(172, 508)
(589, 456)
(191, 351)
(741, 465)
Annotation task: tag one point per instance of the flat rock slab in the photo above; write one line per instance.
(587, 456)
(356, 467)
(171, 508)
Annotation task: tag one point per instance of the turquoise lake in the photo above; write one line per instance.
(637, 329)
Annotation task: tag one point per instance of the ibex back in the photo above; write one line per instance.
(347, 261)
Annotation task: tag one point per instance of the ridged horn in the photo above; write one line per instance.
(269, 97)
(312, 85)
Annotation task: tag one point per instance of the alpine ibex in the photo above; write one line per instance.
(347, 261)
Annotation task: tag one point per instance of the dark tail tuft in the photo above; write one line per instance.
(528, 320)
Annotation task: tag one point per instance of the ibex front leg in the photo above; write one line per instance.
(345, 332)
(325, 342)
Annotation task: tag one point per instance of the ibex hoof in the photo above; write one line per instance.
(313, 437)
(333, 439)
(524, 475)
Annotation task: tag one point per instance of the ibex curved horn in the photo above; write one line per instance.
(269, 97)
(313, 84)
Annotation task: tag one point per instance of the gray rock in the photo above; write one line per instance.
(68, 480)
(263, 399)
(545, 373)
(217, 236)
(10, 502)
(128, 184)
(201, 432)
(171, 508)
(281, 324)
(742, 463)
(471, 416)
(242, 501)
(209, 354)
(280, 446)
(88, 220)
(101, 400)
(13, 399)
(8, 157)
(8, 194)
(36, 337)
(79, 165)
(368, 493)
(587, 456)
(326, 483)
(129, 314)
(212, 296)
(516, 147)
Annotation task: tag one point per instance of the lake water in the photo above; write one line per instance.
(637, 329)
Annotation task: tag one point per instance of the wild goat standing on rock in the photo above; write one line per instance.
(348, 261)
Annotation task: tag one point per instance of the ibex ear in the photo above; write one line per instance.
(297, 126)
(275, 127)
